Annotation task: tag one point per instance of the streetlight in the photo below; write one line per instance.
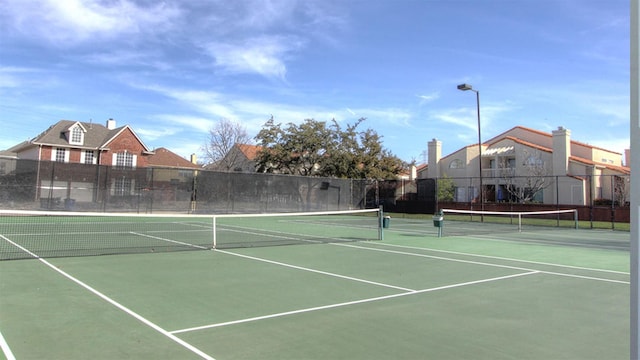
(465, 87)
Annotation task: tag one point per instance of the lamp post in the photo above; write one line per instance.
(465, 87)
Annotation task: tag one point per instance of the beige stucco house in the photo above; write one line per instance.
(523, 164)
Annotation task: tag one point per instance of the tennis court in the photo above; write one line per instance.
(536, 294)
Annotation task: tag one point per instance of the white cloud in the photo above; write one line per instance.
(468, 117)
(127, 58)
(428, 97)
(23, 79)
(462, 117)
(264, 55)
(197, 123)
(207, 102)
(261, 14)
(155, 132)
(71, 21)
(9, 76)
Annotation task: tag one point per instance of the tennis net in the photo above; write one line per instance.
(33, 234)
(474, 222)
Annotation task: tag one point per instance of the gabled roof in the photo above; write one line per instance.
(518, 141)
(163, 157)
(97, 137)
(250, 151)
(622, 169)
(502, 135)
(546, 134)
(422, 167)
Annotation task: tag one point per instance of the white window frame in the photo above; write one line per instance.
(60, 155)
(124, 160)
(122, 186)
(76, 135)
(88, 159)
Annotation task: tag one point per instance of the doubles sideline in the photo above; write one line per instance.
(406, 291)
(112, 302)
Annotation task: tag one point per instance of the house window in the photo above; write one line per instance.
(60, 155)
(534, 162)
(456, 164)
(89, 157)
(124, 160)
(76, 135)
(122, 187)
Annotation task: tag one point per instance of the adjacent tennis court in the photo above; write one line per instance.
(538, 293)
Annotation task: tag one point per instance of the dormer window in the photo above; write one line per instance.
(75, 134)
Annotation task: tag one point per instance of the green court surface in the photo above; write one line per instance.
(535, 294)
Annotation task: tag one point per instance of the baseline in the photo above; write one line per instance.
(482, 263)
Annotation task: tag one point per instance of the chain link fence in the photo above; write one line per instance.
(28, 184)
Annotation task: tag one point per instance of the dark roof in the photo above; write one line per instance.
(96, 136)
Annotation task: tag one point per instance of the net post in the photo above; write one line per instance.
(213, 230)
(380, 223)
(575, 218)
(519, 222)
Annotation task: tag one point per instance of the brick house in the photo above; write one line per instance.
(84, 162)
(70, 141)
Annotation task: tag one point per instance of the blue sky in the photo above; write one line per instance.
(171, 69)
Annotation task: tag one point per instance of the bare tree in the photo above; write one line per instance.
(533, 178)
(620, 189)
(220, 141)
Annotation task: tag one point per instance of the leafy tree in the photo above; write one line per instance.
(296, 149)
(446, 188)
(315, 148)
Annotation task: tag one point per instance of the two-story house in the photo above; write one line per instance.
(70, 141)
(523, 164)
(57, 153)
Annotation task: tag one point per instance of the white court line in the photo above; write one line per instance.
(5, 349)
(482, 263)
(315, 271)
(279, 236)
(169, 240)
(362, 301)
(115, 303)
(506, 259)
